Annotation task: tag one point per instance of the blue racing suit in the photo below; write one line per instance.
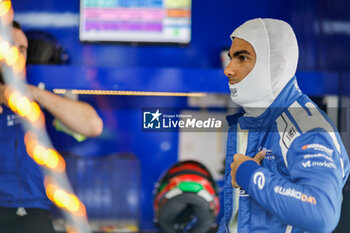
(21, 180)
(298, 186)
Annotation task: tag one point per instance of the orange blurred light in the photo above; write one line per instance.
(61, 166)
(12, 100)
(48, 180)
(73, 203)
(34, 112)
(8, 91)
(52, 158)
(71, 229)
(40, 121)
(7, 19)
(50, 190)
(29, 136)
(12, 56)
(5, 6)
(30, 142)
(81, 212)
(4, 49)
(39, 154)
(19, 65)
(60, 198)
(23, 106)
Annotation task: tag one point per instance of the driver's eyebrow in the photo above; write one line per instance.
(239, 52)
(236, 54)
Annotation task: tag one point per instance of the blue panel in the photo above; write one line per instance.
(320, 26)
(344, 87)
(318, 83)
(45, 6)
(212, 23)
(304, 18)
(335, 50)
(108, 186)
(335, 35)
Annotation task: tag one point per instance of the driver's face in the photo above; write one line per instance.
(242, 60)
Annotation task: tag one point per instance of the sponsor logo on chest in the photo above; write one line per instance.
(13, 119)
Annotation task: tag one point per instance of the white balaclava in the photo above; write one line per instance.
(277, 54)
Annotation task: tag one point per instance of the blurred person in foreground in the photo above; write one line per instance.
(24, 207)
(286, 164)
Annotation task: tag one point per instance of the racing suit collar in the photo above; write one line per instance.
(286, 97)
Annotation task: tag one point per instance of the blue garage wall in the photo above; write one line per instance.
(304, 16)
(212, 24)
(335, 35)
(321, 26)
(323, 31)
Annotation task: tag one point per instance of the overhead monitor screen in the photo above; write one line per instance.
(160, 21)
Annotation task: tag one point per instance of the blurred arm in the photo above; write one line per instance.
(78, 116)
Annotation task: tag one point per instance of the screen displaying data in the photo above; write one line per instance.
(162, 21)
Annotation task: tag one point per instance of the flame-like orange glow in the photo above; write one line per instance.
(23, 106)
(39, 154)
(20, 63)
(34, 112)
(12, 100)
(71, 229)
(61, 166)
(82, 210)
(48, 157)
(40, 122)
(8, 90)
(30, 141)
(48, 180)
(12, 56)
(50, 190)
(5, 7)
(52, 158)
(73, 203)
(29, 136)
(4, 49)
(61, 198)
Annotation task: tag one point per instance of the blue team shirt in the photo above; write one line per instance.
(21, 180)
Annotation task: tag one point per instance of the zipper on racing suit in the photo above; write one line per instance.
(241, 148)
